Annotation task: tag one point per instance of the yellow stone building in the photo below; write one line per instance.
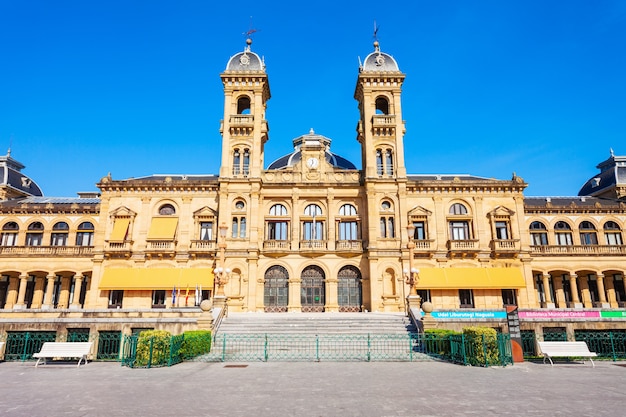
(310, 232)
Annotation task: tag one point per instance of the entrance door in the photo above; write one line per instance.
(312, 291)
(349, 292)
(276, 290)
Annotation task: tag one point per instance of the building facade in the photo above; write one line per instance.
(309, 232)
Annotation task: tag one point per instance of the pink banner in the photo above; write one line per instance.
(558, 314)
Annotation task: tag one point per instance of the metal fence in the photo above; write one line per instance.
(165, 350)
(606, 344)
(411, 347)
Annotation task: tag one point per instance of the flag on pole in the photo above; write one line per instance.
(196, 298)
(174, 296)
(187, 295)
(177, 296)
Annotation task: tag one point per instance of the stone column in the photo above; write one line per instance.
(12, 293)
(38, 293)
(559, 292)
(546, 291)
(610, 291)
(21, 294)
(294, 303)
(332, 304)
(78, 285)
(574, 288)
(48, 301)
(602, 292)
(584, 289)
(64, 298)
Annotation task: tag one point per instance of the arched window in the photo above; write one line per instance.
(458, 209)
(313, 224)
(389, 162)
(243, 105)
(84, 235)
(276, 289)
(349, 293)
(312, 289)
(379, 162)
(239, 220)
(387, 221)
(538, 234)
(10, 232)
(563, 233)
(246, 162)
(167, 210)
(612, 233)
(59, 234)
(588, 235)
(382, 106)
(236, 161)
(34, 236)
(348, 223)
(277, 224)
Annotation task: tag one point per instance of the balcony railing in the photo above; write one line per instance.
(604, 250)
(160, 245)
(505, 245)
(422, 245)
(61, 251)
(463, 245)
(203, 245)
(383, 120)
(277, 245)
(312, 245)
(349, 245)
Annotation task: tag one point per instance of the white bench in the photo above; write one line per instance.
(565, 350)
(78, 350)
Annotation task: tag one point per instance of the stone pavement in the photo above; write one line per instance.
(375, 389)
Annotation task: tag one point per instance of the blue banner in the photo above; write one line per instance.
(469, 315)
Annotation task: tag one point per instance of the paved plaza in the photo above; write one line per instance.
(312, 389)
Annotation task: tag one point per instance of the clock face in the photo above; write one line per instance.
(312, 162)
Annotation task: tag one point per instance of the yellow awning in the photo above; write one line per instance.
(162, 228)
(156, 278)
(120, 228)
(470, 278)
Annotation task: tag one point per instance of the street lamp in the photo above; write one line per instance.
(411, 275)
(221, 273)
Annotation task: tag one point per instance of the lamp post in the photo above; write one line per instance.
(221, 273)
(411, 275)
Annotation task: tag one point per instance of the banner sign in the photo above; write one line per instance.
(559, 314)
(469, 315)
(613, 314)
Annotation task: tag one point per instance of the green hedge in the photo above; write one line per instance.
(155, 343)
(196, 343)
(437, 341)
(481, 345)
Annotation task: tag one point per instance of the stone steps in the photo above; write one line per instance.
(316, 323)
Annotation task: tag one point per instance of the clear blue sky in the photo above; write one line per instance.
(132, 87)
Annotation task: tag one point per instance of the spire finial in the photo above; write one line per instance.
(248, 34)
(612, 153)
(376, 44)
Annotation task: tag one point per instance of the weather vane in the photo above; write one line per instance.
(376, 27)
(251, 30)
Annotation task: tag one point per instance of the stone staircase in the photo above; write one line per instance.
(316, 323)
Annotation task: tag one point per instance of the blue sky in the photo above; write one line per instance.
(492, 87)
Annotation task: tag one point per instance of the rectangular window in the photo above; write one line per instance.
(509, 297)
(206, 231)
(613, 238)
(277, 231)
(115, 298)
(58, 239)
(158, 299)
(588, 238)
(242, 228)
(502, 230)
(466, 298)
(424, 295)
(563, 238)
(539, 239)
(34, 239)
(313, 230)
(9, 239)
(459, 230)
(84, 239)
(348, 231)
(420, 230)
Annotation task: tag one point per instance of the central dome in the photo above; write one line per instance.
(311, 139)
